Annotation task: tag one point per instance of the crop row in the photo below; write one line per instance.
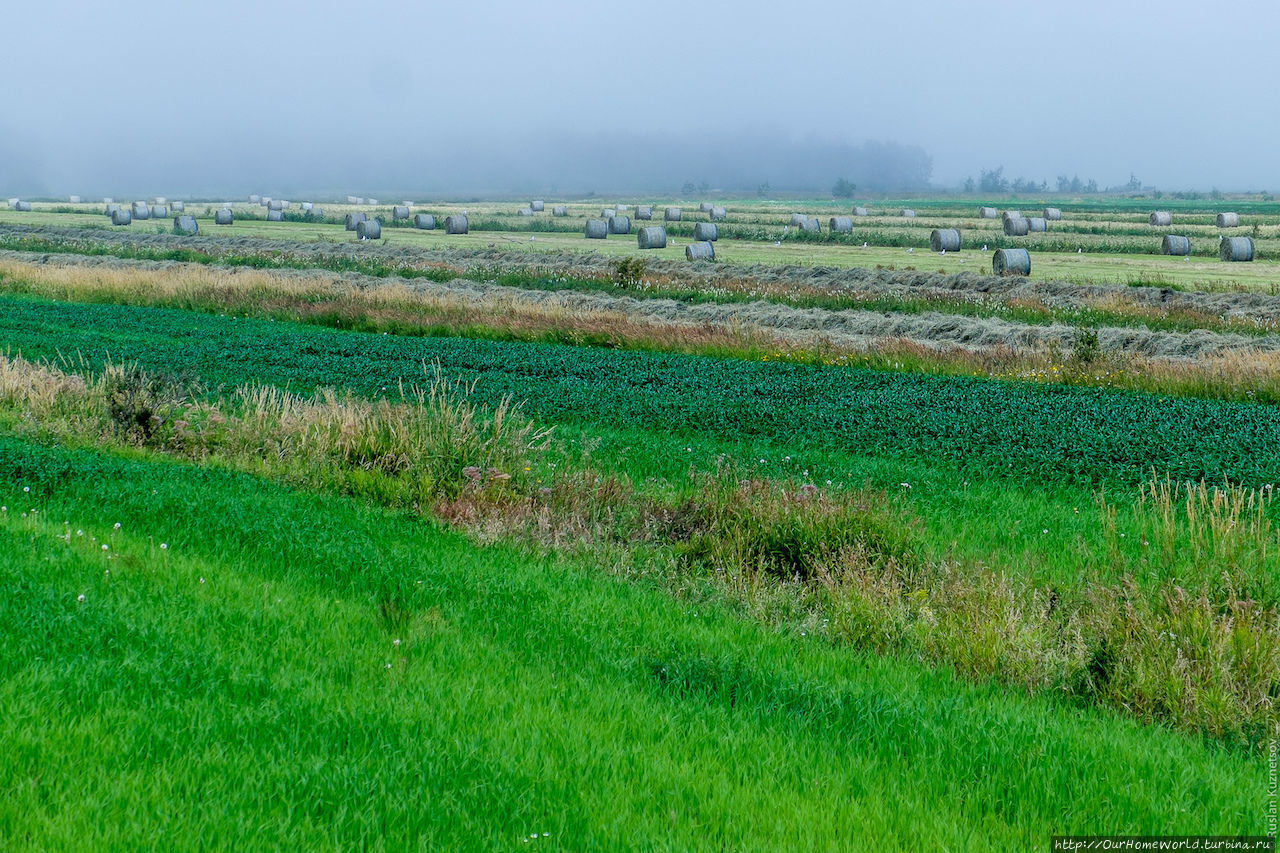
(1048, 432)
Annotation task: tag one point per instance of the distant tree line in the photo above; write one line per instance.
(993, 181)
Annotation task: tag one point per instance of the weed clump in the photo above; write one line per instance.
(629, 272)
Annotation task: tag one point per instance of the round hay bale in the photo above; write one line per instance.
(702, 251)
(112, 208)
(352, 220)
(161, 200)
(718, 214)
(704, 207)
(358, 200)
(275, 204)
(1161, 217)
(944, 240)
(284, 205)
(369, 229)
(621, 208)
(859, 211)
(456, 224)
(373, 201)
(24, 206)
(1172, 244)
(141, 210)
(1037, 224)
(307, 206)
(907, 212)
(810, 225)
(525, 211)
(537, 206)
(255, 198)
(644, 211)
(317, 212)
(1017, 227)
(1011, 214)
(597, 229)
(652, 237)
(560, 210)
(798, 219)
(1228, 220)
(1053, 214)
(424, 221)
(1236, 249)
(350, 199)
(607, 212)
(840, 224)
(619, 224)
(120, 216)
(73, 199)
(266, 202)
(1011, 262)
(275, 216)
(159, 211)
(178, 207)
(186, 224)
(108, 200)
(222, 217)
(672, 214)
(706, 232)
(13, 203)
(987, 213)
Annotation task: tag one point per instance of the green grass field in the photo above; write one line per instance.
(243, 665)
(723, 603)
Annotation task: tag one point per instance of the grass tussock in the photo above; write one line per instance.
(1195, 644)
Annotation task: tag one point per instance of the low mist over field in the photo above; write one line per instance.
(507, 97)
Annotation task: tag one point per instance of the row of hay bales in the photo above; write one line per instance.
(1231, 249)
(1164, 218)
(141, 211)
(1050, 214)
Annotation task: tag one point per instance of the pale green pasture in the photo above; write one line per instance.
(1198, 273)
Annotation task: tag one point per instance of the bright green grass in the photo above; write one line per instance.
(255, 710)
(1197, 273)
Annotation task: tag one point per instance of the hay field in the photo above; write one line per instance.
(527, 534)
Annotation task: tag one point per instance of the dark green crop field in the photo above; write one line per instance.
(1079, 435)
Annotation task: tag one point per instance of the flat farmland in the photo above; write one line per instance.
(1096, 246)
(556, 541)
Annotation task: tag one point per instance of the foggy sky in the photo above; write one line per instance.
(293, 97)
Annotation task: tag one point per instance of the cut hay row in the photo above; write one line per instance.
(844, 328)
